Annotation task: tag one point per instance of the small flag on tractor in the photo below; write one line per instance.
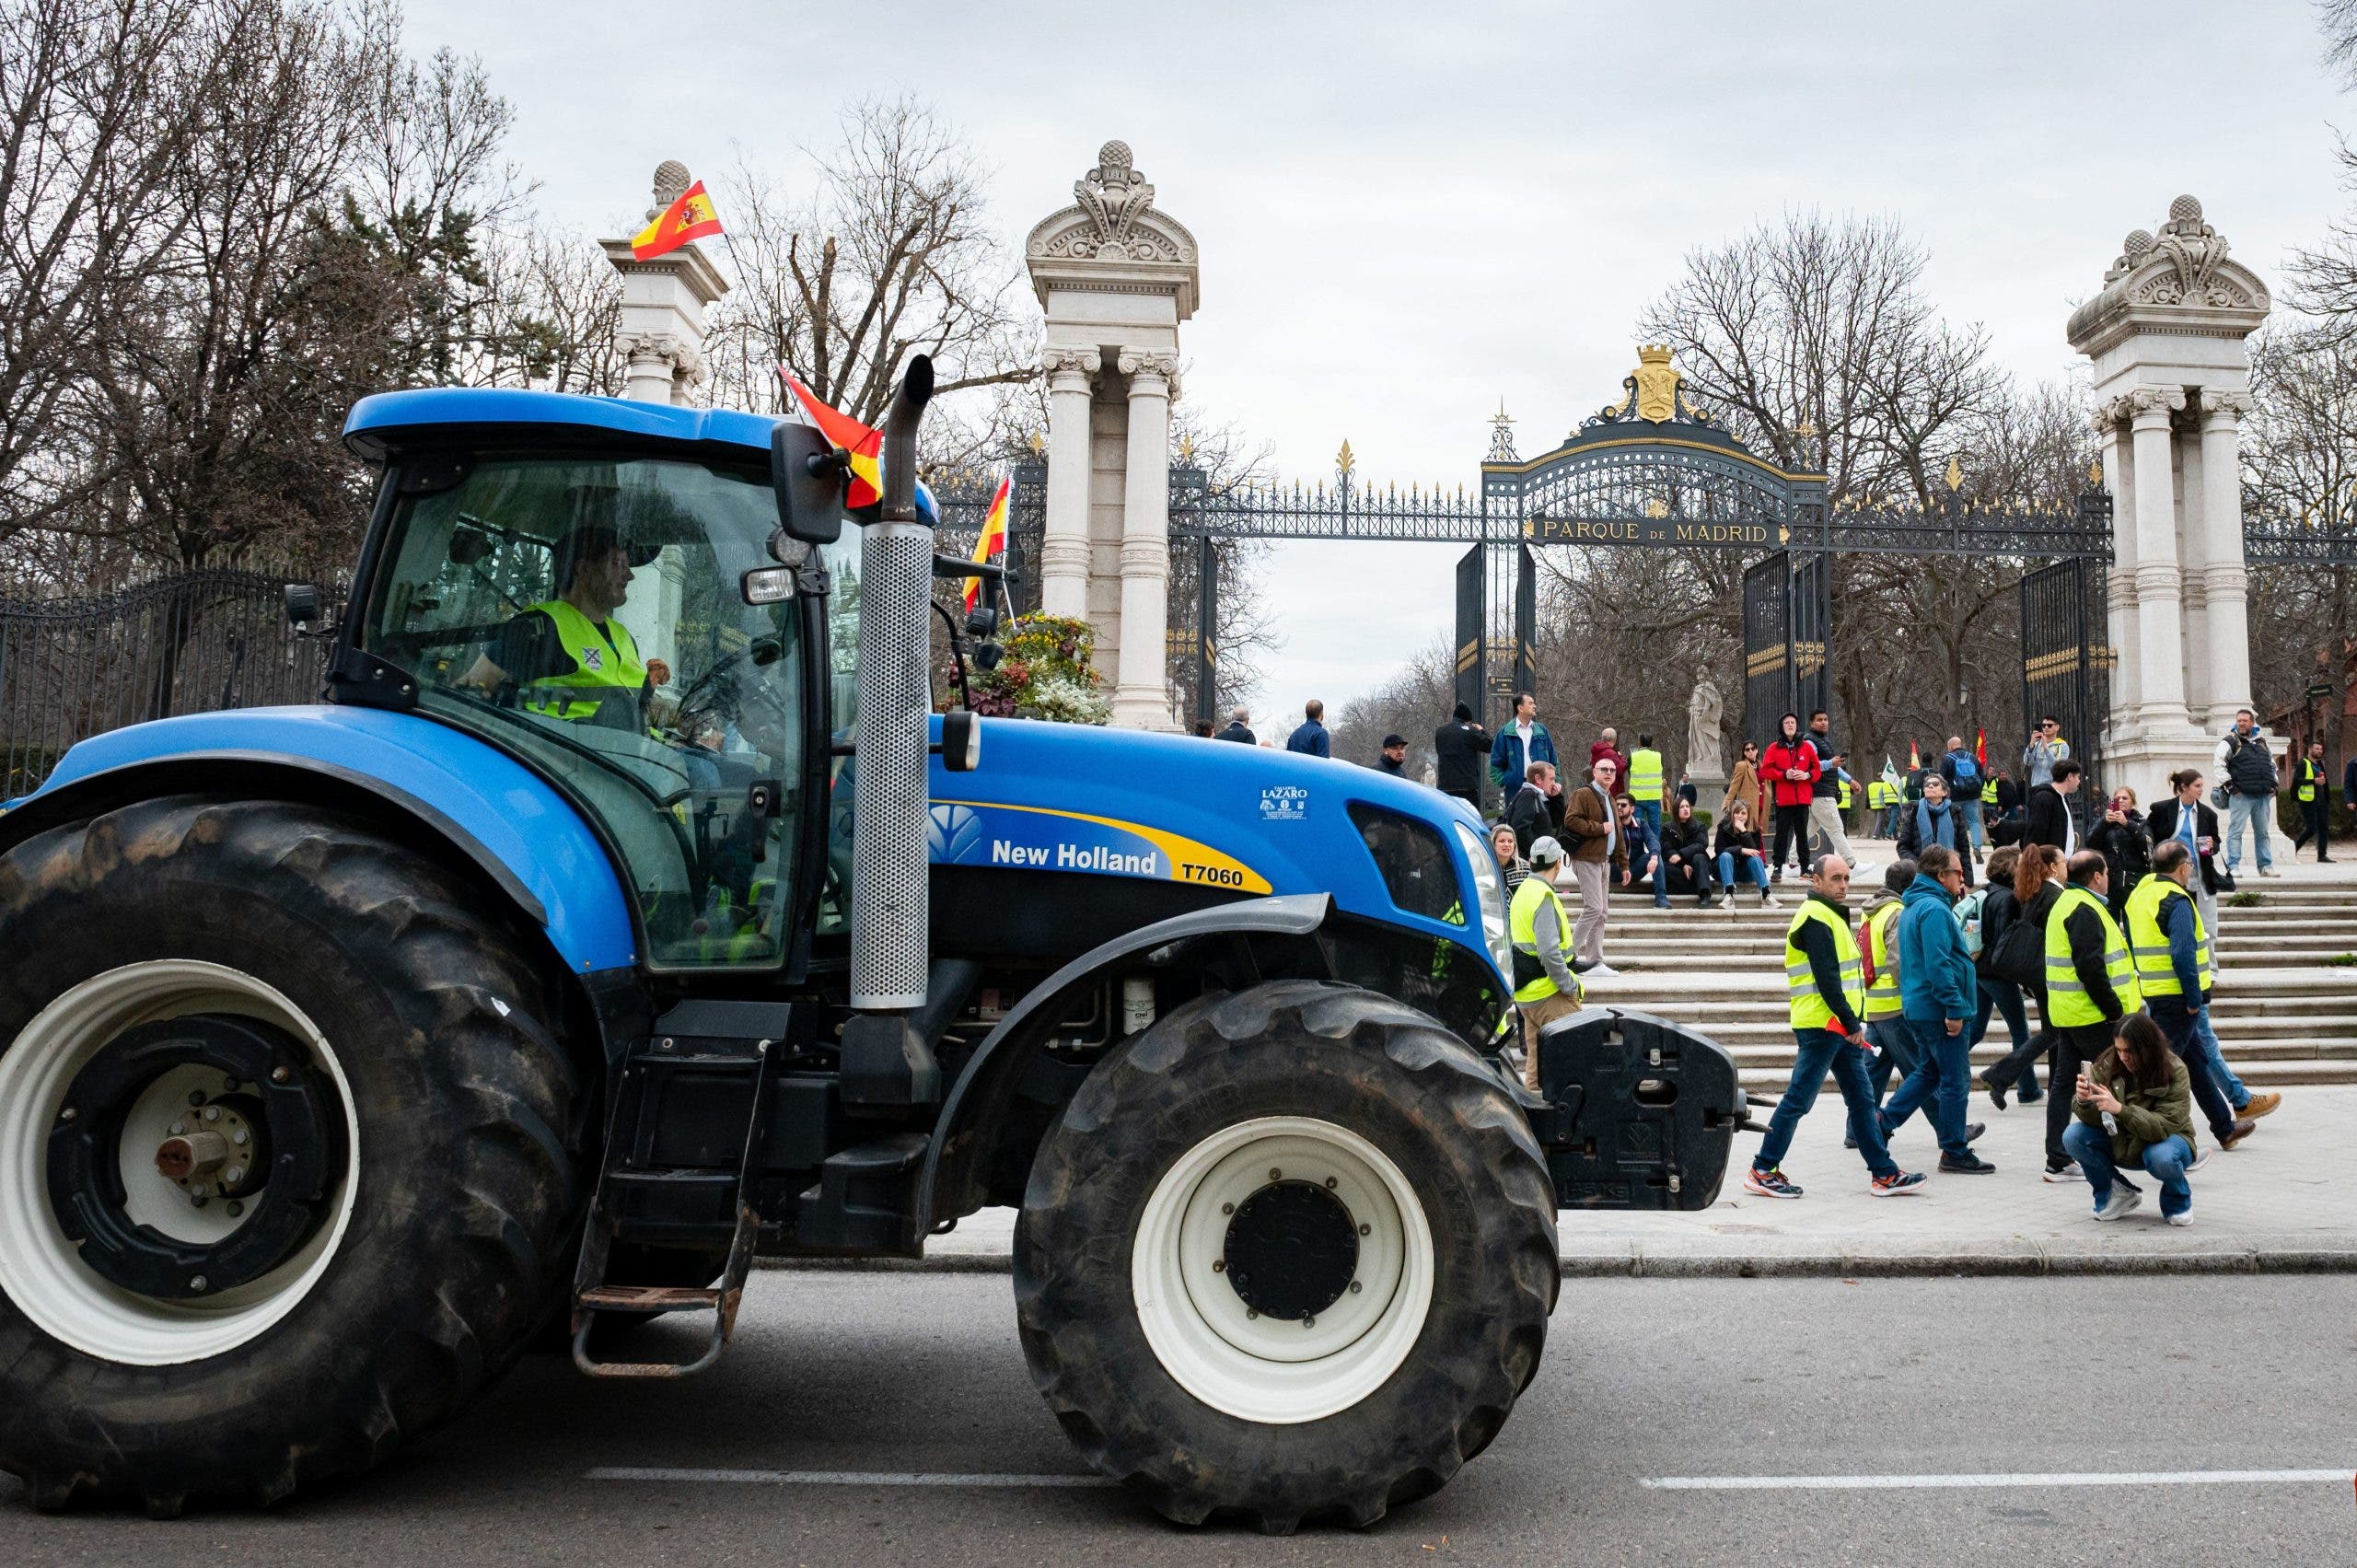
(992, 542)
(689, 218)
(865, 446)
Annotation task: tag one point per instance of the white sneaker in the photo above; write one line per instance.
(1601, 971)
(2119, 1205)
(2183, 1219)
(2068, 1173)
(1772, 902)
(2268, 871)
(1864, 869)
(2201, 1159)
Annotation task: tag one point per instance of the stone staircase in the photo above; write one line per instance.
(2286, 1003)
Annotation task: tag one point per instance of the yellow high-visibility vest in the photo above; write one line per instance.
(1809, 1008)
(2309, 774)
(2068, 1005)
(1522, 924)
(1645, 775)
(602, 666)
(2148, 937)
(1881, 995)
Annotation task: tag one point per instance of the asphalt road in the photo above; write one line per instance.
(1644, 1380)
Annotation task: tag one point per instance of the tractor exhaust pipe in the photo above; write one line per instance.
(885, 1061)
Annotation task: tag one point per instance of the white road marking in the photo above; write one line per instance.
(2033, 1478)
(838, 1478)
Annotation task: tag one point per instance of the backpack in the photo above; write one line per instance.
(1967, 915)
(1967, 775)
(2020, 954)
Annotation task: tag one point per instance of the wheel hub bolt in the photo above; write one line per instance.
(1329, 1184)
(1252, 1312)
(279, 1074)
(1227, 1208)
(1366, 1230)
(197, 1284)
(213, 1113)
(196, 1097)
(68, 1114)
(1275, 1175)
(241, 1136)
(185, 1157)
(234, 1175)
(1219, 1265)
(1354, 1284)
(1308, 1321)
(237, 1208)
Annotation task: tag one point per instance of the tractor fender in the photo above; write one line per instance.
(980, 1097)
(435, 783)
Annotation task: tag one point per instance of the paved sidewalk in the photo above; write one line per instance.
(2285, 1201)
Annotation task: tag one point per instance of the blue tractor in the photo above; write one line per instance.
(625, 911)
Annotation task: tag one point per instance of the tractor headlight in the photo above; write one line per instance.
(1492, 894)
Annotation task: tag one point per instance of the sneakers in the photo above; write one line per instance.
(2260, 1106)
(2119, 1203)
(2241, 1129)
(2182, 1218)
(1604, 972)
(1898, 1183)
(2199, 1161)
(1770, 1184)
(1729, 903)
(1966, 1164)
(1770, 902)
(2268, 871)
(1972, 1130)
(2067, 1171)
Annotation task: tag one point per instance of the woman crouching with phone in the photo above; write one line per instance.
(2135, 1107)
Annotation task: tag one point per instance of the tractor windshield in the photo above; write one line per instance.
(588, 615)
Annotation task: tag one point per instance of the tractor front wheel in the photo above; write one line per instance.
(1289, 1255)
(285, 1168)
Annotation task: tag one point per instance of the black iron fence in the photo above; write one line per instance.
(193, 643)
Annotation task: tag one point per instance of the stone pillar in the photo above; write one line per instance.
(2226, 650)
(1116, 276)
(1143, 696)
(661, 329)
(2160, 645)
(1064, 554)
(2165, 335)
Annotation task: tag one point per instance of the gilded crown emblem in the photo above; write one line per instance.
(1656, 381)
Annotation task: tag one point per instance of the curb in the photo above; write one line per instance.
(2013, 1261)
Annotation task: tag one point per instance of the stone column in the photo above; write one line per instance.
(2227, 631)
(2160, 643)
(2120, 583)
(1143, 696)
(1063, 553)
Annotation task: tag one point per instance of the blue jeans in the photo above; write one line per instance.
(2177, 1022)
(1974, 825)
(1943, 1074)
(1894, 1051)
(2214, 1055)
(2003, 997)
(2166, 1160)
(1820, 1050)
(1888, 828)
(2258, 811)
(1649, 813)
(1754, 870)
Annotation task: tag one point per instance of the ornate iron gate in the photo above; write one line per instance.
(1787, 618)
(1473, 634)
(2066, 661)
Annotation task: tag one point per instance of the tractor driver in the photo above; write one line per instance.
(571, 659)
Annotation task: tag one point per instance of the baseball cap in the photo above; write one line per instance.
(1546, 852)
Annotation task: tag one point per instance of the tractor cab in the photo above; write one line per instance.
(587, 609)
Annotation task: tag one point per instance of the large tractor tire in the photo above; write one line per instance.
(285, 1175)
(1289, 1255)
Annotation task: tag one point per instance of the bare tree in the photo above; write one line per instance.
(894, 255)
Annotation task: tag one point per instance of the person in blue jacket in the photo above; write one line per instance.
(1310, 739)
(1938, 995)
(1520, 744)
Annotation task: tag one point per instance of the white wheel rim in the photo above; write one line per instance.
(41, 1270)
(1265, 1369)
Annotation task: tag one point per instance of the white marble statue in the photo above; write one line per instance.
(1703, 714)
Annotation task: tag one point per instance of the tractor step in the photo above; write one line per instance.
(641, 1201)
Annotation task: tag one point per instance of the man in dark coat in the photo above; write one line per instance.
(2050, 821)
(1536, 811)
(1309, 738)
(1461, 748)
(1239, 727)
(1393, 759)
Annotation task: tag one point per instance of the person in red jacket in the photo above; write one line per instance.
(1790, 770)
(1610, 748)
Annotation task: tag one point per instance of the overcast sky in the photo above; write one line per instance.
(1410, 212)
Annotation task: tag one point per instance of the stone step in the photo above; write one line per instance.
(2249, 990)
(2328, 1036)
(2258, 1075)
(2292, 943)
(1755, 1054)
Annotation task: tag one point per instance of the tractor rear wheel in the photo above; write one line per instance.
(285, 1168)
(1289, 1255)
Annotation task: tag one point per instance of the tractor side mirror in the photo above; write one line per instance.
(807, 474)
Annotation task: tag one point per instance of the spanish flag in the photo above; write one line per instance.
(1981, 748)
(865, 446)
(689, 218)
(992, 541)
(1914, 757)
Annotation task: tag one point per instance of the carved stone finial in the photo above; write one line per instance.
(1115, 195)
(672, 180)
(2185, 209)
